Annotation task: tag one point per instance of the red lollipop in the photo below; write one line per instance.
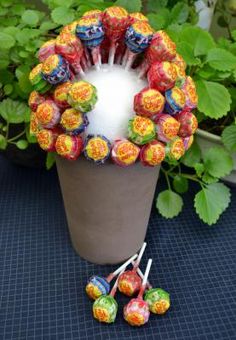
(136, 312)
(162, 75)
(71, 48)
(188, 123)
(115, 22)
(129, 282)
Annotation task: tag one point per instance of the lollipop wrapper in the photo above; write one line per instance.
(138, 37)
(97, 149)
(90, 31)
(188, 123)
(34, 124)
(152, 154)
(149, 102)
(175, 149)
(175, 100)
(136, 312)
(124, 153)
(141, 130)
(47, 49)
(115, 21)
(47, 139)
(105, 309)
(189, 89)
(56, 70)
(69, 147)
(167, 127)
(60, 95)
(129, 283)
(161, 48)
(82, 96)
(73, 121)
(158, 300)
(162, 75)
(48, 114)
(188, 141)
(96, 287)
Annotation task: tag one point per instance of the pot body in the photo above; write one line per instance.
(207, 140)
(107, 207)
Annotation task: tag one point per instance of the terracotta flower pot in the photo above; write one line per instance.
(107, 207)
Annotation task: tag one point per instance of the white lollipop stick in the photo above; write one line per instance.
(145, 278)
(140, 273)
(114, 288)
(122, 267)
(140, 255)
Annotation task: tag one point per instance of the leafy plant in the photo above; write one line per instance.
(213, 67)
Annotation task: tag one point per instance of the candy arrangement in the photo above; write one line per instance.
(66, 110)
(129, 282)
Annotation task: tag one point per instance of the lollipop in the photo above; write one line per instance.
(162, 75)
(136, 312)
(98, 285)
(189, 89)
(82, 96)
(56, 69)
(188, 123)
(137, 16)
(167, 127)
(115, 22)
(94, 13)
(175, 149)
(71, 28)
(124, 153)
(161, 48)
(179, 61)
(158, 299)
(90, 31)
(105, 307)
(149, 102)
(48, 114)
(175, 100)
(181, 75)
(69, 147)
(129, 282)
(37, 81)
(73, 121)
(34, 124)
(188, 141)
(47, 139)
(141, 130)
(60, 94)
(97, 148)
(47, 49)
(34, 100)
(137, 38)
(71, 48)
(152, 154)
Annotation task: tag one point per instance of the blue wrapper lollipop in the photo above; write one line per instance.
(56, 69)
(91, 33)
(137, 38)
(175, 100)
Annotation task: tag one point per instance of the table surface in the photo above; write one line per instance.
(42, 279)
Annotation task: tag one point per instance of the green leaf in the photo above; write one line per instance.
(6, 76)
(233, 34)
(30, 17)
(6, 41)
(221, 21)
(213, 99)
(22, 144)
(217, 161)
(156, 21)
(201, 40)
(131, 6)
(192, 156)
(47, 26)
(8, 88)
(180, 184)
(63, 15)
(25, 84)
(179, 13)
(232, 91)
(30, 138)
(156, 5)
(13, 111)
(211, 202)
(199, 168)
(3, 142)
(169, 204)
(11, 30)
(229, 138)
(221, 59)
(186, 51)
(207, 178)
(50, 160)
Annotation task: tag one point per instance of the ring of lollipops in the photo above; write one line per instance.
(163, 124)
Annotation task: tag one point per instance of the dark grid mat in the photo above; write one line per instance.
(42, 279)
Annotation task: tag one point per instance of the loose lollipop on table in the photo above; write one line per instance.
(105, 307)
(91, 33)
(124, 152)
(56, 69)
(157, 298)
(129, 282)
(137, 38)
(47, 49)
(69, 147)
(115, 22)
(98, 285)
(152, 154)
(71, 48)
(136, 312)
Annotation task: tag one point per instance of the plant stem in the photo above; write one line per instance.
(16, 137)
(167, 178)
